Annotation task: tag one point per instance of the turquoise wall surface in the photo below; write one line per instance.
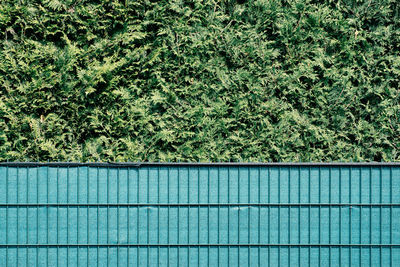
(200, 215)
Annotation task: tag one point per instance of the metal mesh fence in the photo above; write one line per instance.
(200, 215)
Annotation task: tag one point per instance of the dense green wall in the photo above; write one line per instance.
(200, 80)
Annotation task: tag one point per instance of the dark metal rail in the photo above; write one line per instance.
(199, 164)
(199, 245)
(198, 204)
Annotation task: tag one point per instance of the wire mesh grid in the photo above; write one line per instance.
(199, 215)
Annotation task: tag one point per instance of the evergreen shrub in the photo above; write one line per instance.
(278, 80)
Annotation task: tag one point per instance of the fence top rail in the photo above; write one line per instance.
(199, 164)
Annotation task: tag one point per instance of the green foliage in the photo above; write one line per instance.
(292, 80)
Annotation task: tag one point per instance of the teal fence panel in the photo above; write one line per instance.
(199, 214)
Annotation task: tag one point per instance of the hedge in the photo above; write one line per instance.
(265, 80)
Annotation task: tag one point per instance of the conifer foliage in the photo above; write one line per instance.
(279, 80)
